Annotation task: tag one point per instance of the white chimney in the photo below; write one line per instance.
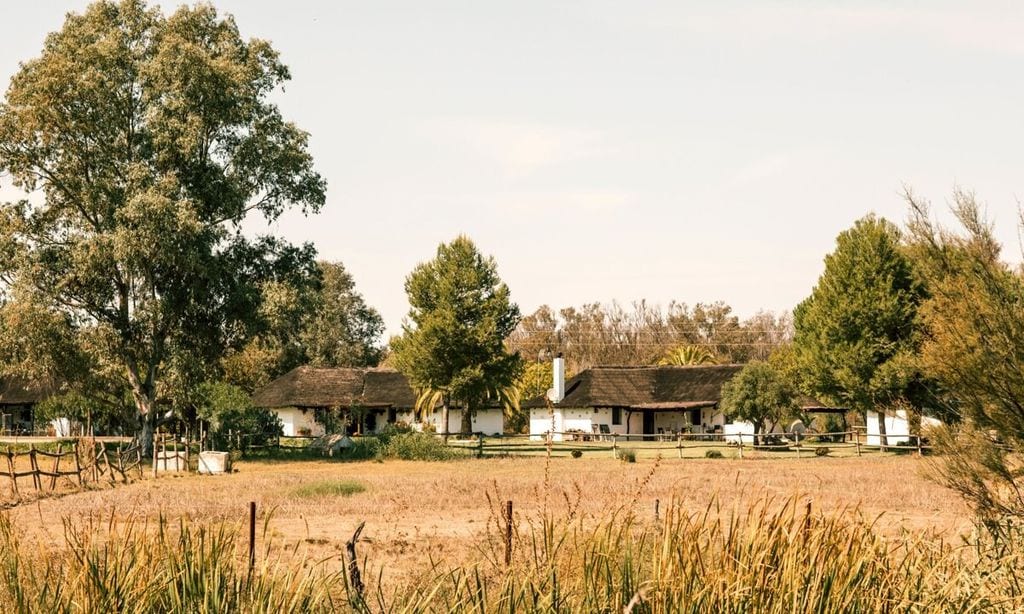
(557, 392)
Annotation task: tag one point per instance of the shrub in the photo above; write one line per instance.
(257, 426)
(390, 430)
(576, 453)
(713, 454)
(362, 448)
(418, 446)
(822, 451)
(627, 455)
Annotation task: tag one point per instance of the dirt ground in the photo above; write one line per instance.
(418, 511)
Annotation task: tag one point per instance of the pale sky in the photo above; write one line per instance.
(629, 150)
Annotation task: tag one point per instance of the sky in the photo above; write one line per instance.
(687, 151)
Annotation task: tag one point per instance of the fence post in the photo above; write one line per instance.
(480, 445)
(615, 445)
(14, 476)
(508, 533)
(856, 436)
(155, 446)
(78, 467)
(679, 444)
(920, 452)
(252, 536)
(741, 445)
(56, 467)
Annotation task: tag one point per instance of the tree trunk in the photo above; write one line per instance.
(145, 434)
(147, 423)
(467, 421)
(444, 419)
(757, 432)
(883, 441)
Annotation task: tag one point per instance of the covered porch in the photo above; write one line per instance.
(674, 418)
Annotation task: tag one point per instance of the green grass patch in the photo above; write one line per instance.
(329, 488)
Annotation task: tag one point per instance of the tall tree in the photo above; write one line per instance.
(151, 138)
(453, 341)
(342, 330)
(975, 347)
(325, 323)
(857, 335)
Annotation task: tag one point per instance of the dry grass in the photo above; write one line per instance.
(416, 512)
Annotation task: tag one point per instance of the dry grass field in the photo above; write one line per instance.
(416, 512)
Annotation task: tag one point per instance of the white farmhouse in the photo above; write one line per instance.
(632, 400)
(371, 398)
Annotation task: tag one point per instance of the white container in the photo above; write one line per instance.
(211, 463)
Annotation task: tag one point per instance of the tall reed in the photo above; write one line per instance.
(166, 567)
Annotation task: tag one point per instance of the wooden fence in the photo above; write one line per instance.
(849, 443)
(81, 465)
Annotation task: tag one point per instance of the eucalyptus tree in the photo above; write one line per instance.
(143, 141)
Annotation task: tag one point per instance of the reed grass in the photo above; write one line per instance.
(773, 557)
(761, 554)
(135, 567)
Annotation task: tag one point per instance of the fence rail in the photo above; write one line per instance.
(82, 465)
(853, 441)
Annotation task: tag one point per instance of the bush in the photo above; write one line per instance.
(822, 451)
(576, 453)
(362, 448)
(418, 446)
(627, 455)
(256, 426)
(390, 430)
(713, 454)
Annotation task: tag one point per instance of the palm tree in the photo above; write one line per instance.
(689, 355)
(427, 400)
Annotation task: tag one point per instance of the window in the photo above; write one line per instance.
(617, 415)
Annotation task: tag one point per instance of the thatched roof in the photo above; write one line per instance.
(658, 388)
(337, 387)
(652, 388)
(21, 391)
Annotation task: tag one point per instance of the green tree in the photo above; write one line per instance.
(452, 345)
(342, 330)
(857, 335)
(151, 139)
(974, 320)
(324, 323)
(760, 395)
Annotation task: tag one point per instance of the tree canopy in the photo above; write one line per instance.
(642, 334)
(323, 323)
(453, 340)
(857, 335)
(148, 139)
(760, 395)
(974, 346)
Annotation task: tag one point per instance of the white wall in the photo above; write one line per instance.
(562, 419)
(543, 421)
(897, 427)
(294, 419)
(486, 421)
